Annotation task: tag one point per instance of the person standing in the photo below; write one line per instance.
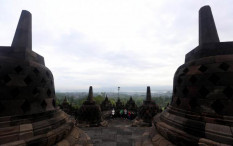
(129, 115)
(121, 113)
(113, 113)
(125, 113)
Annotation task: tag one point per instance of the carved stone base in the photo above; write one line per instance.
(46, 128)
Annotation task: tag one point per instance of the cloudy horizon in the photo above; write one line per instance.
(106, 44)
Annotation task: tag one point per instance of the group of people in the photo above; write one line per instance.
(123, 113)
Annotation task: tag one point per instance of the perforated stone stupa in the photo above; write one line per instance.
(201, 111)
(28, 112)
(131, 105)
(65, 106)
(106, 104)
(119, 104)
(149, 109)
(90, 112)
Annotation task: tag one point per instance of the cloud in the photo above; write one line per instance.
(113, 43)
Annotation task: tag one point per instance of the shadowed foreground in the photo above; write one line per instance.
(119, 133)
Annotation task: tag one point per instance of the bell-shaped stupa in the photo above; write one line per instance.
(106, 104)
(131, 105)
(149, 108)
(28, 111)
(201, 111)
(90, 112)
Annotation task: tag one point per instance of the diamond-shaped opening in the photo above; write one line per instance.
(43, 81)
(27, 80)
(6, 79)
(193, 79)
(15, 92)
(202, 68)
(35, 91)
(49, 92)
(185, 70)
(25, 106)
(214, 78)
(217, 106)
(193, 103)
(178, 102)
(54, 103)
(185, 91)
(18, 69)
(228, 91)
(47, 74)
(43, 104)
(36, 71)
(224, 66)
(203, 91)
(179, 80)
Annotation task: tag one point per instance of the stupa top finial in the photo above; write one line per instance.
(207, 29)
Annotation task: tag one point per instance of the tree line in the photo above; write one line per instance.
(76, 102)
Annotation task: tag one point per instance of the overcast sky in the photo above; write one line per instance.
(111, 43)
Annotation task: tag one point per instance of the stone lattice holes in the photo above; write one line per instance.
(201, 111)
(28, 112)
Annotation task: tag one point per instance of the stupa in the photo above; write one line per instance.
(65, 106)
(106, 104)
(28, 111)
(90, 112)
(119, 104)
(201, 111)
(149, 109)
(131, 105)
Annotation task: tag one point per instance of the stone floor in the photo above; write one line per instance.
(119, 133)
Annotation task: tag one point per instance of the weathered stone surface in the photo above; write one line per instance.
(149, 109)
(90, 113)
(140, 123)
(23, 33)
(202, 100)
(106, 104)
(119, 132)
(25, 127)
(207, 142)
(119, 104)
(29, 115)
(131, 105)
(65, 106)
(207, 29)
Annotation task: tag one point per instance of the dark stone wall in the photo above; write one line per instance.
(26, 87)
(205, 86)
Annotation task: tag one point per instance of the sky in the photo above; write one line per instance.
(111, 43)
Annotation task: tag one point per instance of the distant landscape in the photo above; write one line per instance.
(162, 98)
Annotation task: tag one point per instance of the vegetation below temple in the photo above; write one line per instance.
(76, 99)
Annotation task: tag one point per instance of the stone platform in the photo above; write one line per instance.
(119, 133)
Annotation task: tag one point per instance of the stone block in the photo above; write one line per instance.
(219, 129)
(16, 143)
(9, 138)
(25, 128)
(63, 143)
(9, 130)
(26, 135)
(75, 132)
(219, 133)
